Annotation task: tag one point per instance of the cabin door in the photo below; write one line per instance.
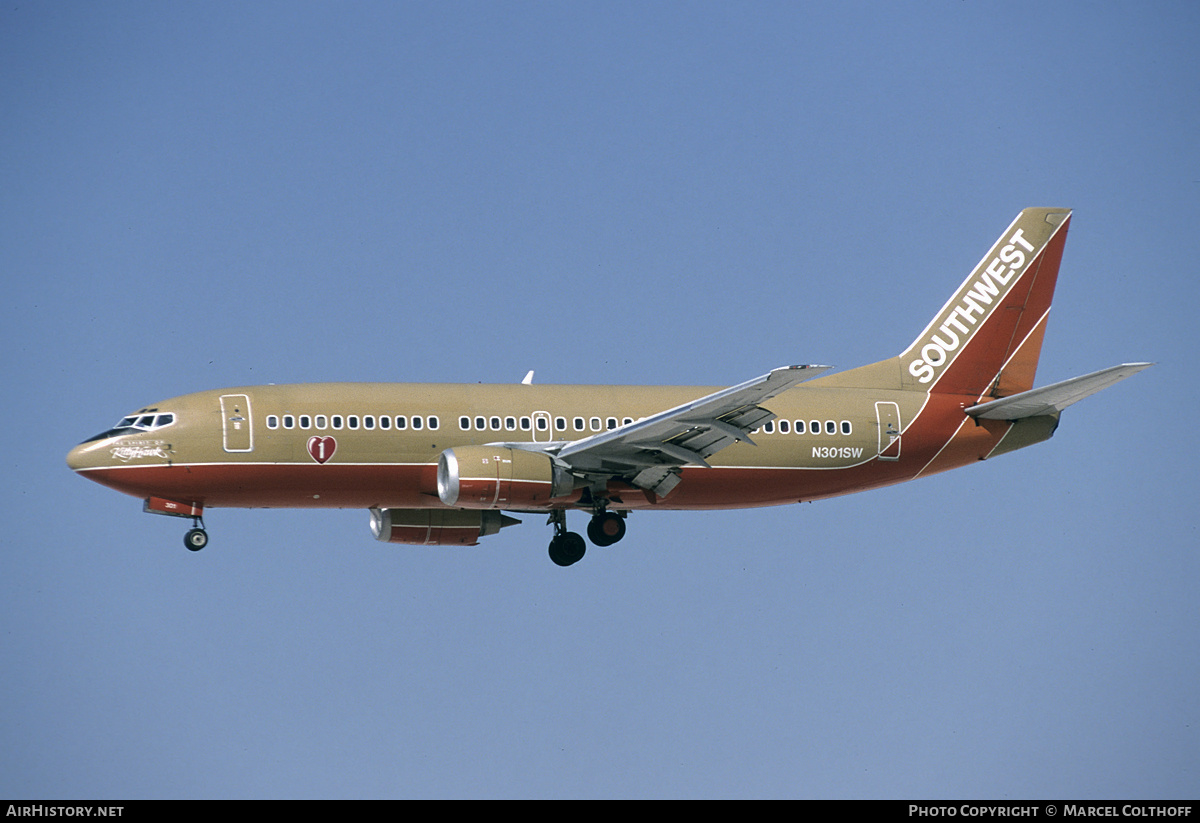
(887, 413)
(236, 428)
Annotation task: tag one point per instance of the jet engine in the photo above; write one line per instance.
(494, 477)
(436, 527)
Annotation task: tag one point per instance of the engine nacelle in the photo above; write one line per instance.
(493, 477)
(436, 527)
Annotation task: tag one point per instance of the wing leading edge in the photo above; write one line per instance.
(649, 452)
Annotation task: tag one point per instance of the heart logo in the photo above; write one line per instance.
(321, 448)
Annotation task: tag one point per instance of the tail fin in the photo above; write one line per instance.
(986, 340)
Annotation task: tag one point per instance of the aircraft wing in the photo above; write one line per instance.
(1054, 398)
(649, 451)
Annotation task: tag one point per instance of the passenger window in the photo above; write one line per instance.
(845, 427)
(481, 423)
(321, 421)
(799, 427)
(814, 426)
(464, 423)
(305, 421)
(830, 427)
(385, 422)
(401, 422)
(416, 421)
(368, 421)
(578, 421)
(272, 421)
(560, 424)
(289, 422)
(769, 427)
(352, 421)
(337, 421)
(541, 424)
(432, 422)
(495, 424)
(510, 423)
(783, 427)
(524, 424)
(612, 423)
(595, 424)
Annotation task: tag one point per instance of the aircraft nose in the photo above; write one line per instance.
(82, 457)
(75, 458)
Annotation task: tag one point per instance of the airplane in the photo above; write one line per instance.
(440, 464)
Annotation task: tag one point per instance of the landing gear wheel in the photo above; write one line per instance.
(567, 548)
(195, 539)
(606, 528)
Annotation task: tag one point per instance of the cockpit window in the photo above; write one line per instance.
(144, 422)
(137, 423)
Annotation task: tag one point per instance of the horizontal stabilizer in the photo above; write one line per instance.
(1052, 399)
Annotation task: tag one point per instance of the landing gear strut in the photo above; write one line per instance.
(566, 548)
(196, 538)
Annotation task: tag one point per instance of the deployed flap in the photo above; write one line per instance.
(1052, 399)
(685, 434)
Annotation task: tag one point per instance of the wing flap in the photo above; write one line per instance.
(1052, 399)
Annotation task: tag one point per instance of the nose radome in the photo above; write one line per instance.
(75, 458)
(82, 457)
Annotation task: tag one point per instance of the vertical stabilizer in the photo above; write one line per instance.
(986, 340)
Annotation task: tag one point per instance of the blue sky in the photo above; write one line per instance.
(203, 195)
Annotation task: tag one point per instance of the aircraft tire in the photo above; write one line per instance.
(195, 539)
(606, 529)
(567, 548)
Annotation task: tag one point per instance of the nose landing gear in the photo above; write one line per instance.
(196, 538)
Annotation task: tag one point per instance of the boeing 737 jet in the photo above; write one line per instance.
(441, 464)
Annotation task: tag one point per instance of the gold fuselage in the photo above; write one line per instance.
(429, 458)
(367, 445)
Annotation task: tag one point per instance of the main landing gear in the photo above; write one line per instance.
(196, 538)
(568, 548)
(606, 528)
